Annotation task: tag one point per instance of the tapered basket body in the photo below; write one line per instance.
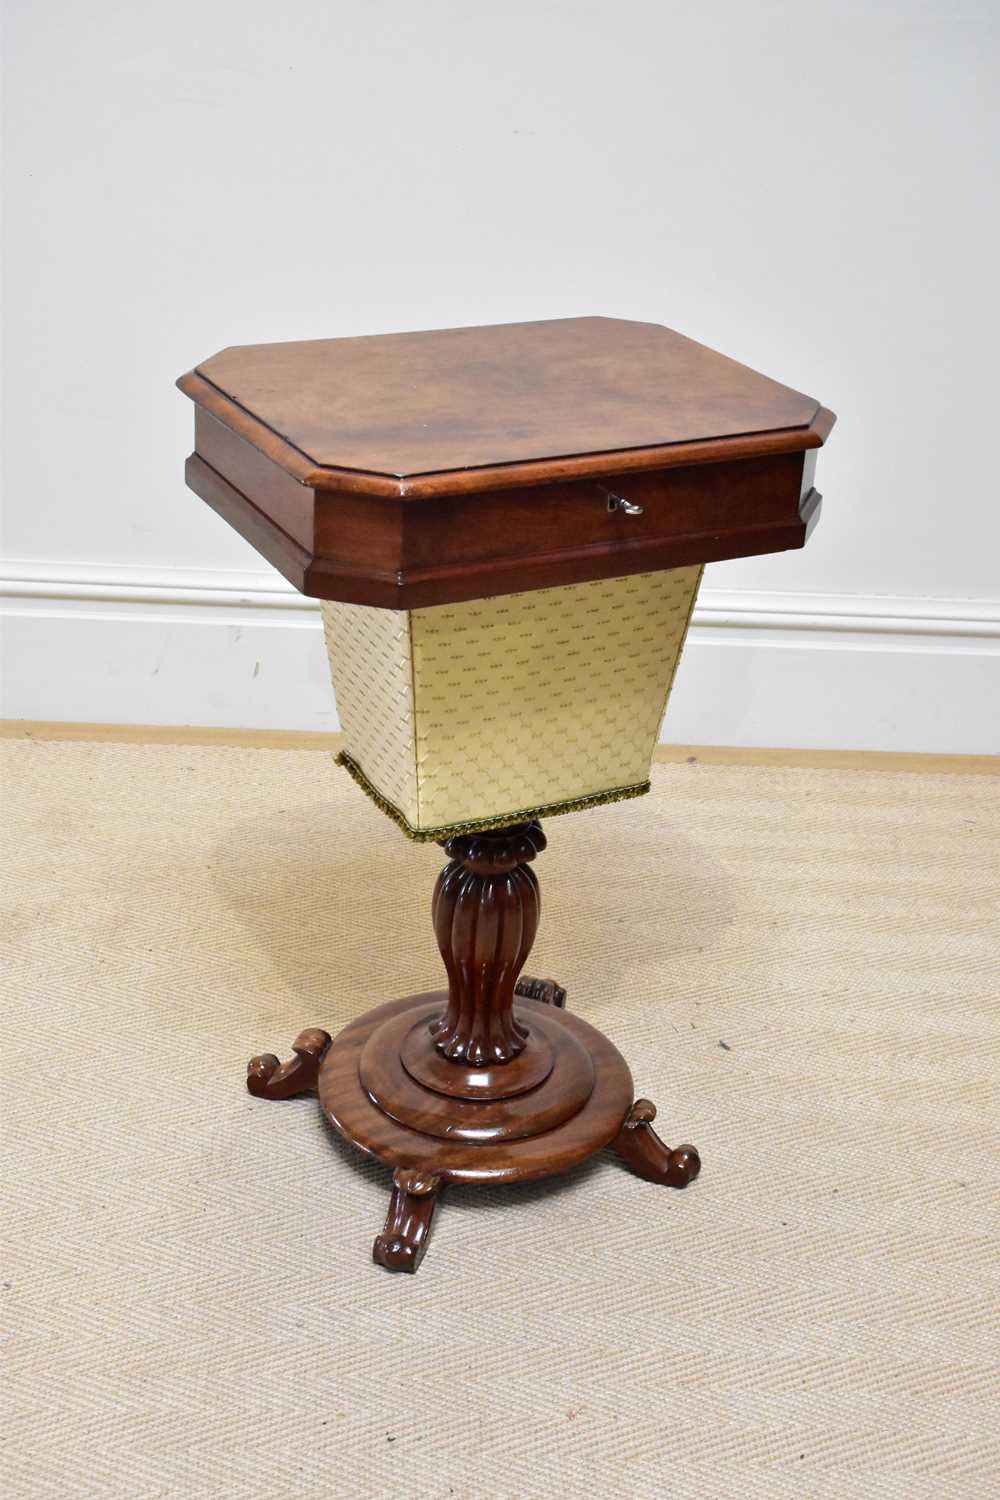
(489, 712)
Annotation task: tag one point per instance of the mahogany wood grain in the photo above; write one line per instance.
(486, 908)
(254, 432)
(420, 469)
(403, 406)
(403, 1242)
(505, 476)
(532, 425)
(491, 1080)
(288, 503)
(252, 523)
(366, 564)
(564, 1089)
(425, 1162)
(638, 1144)
(350, 1109)
(539, 1108)
(269, 1078)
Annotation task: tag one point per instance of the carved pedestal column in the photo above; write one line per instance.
(486, 909)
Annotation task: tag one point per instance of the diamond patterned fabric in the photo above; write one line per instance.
(473, 712)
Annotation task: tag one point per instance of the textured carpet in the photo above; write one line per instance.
(801, 966)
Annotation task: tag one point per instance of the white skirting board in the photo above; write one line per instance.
(235, 650)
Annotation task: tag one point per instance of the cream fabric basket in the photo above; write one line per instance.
(483, 714)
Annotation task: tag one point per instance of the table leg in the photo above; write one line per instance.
(638, 1145)
(403, 1241)
(269, 1078)
(545, 990)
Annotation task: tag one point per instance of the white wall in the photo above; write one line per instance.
(811, 188)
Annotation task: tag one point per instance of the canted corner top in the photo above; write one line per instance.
(461, 409)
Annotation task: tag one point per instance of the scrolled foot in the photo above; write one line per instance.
(269, 1078)
(639, 1146)
(403, 1241)
(545, 990)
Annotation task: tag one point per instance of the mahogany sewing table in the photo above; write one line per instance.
(507, 526)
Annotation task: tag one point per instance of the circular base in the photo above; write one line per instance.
(552, 1147)
(459, 1080)
(564, 1082)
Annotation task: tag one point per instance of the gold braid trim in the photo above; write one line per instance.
(435, 835)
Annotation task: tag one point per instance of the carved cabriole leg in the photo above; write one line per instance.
(401, 1245)
(269, 1078)
(486, 909)
(638, 1145)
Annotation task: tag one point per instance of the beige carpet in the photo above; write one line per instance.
(801, 966)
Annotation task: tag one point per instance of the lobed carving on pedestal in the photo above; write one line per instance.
(486, 908)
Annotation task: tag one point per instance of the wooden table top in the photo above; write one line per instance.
(418, 410)
(415, 469)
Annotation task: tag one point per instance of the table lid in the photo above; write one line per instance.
(461, 409)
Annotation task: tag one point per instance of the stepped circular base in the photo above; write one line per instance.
(564, 1081)
(551, 1139)
(460, 1080)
